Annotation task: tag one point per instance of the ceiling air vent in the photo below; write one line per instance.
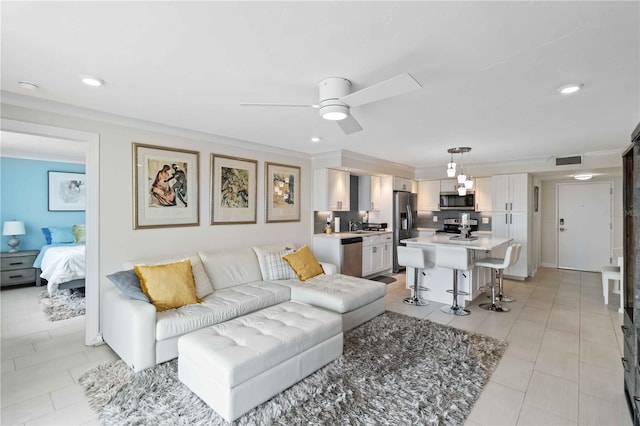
(566, 161)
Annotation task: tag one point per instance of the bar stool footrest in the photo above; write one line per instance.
(493, 307)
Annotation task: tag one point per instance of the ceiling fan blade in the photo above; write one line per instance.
(349, 125)
(258, 104)
(403, 83)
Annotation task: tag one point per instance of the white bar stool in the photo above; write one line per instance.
(613, 273)
(500, 296)
(456, 258)
(498, 266)
(412, 257)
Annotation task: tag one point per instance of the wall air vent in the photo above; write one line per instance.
(566, 161)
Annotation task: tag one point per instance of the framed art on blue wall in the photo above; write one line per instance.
(165, 187)
(67, 191)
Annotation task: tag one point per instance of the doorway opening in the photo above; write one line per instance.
(91, 142)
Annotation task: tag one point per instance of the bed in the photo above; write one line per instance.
(62, 265)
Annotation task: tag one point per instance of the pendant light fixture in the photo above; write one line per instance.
(464, 182)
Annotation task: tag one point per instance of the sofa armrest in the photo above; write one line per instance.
(129, 328)
(329, 268)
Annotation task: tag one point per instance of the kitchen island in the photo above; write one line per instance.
(439, 280)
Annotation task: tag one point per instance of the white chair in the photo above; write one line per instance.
(498, 266)
(458, 259)
(613, 273)
(412, 257)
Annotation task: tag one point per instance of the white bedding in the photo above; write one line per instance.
(62, 264)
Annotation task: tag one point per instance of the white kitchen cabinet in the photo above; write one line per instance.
(483, 189)
(387, 256)
(331, 190)
(512, 218)
(377, 252)
(510, 192)
(402, 184)
(448, 185)
(369, 193)
(429, 195)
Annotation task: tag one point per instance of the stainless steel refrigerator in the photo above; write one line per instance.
(405, 214)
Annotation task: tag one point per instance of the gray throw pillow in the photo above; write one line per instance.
(129, 284)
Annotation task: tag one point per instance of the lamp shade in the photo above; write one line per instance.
(13, 227)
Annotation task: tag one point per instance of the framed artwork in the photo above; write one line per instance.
(165, 187)
(233, 190)
(67, 192)
(282, 192)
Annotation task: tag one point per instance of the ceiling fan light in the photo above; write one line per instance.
(334, 112)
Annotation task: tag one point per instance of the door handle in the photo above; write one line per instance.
(561, 229)
(506, 218)
(511, 219)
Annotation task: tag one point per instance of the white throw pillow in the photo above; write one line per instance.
(262, 251)
(276, 267)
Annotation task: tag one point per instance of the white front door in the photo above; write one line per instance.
(584, 225)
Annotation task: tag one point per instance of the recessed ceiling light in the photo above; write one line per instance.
(92, 81)
(583, 176)
(27, 85)
(570, 88)
(315, 139)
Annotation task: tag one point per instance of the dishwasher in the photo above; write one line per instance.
(351, 256)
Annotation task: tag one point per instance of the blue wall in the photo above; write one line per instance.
(24, 196)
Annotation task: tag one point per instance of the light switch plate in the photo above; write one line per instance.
(485, 220)
(435, 218)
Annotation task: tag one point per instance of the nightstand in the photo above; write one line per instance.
(17, 268)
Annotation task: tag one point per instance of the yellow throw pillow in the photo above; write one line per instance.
(304, 263)
(168, 286)
(79, 233)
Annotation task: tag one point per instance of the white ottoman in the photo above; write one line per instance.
(241, 363)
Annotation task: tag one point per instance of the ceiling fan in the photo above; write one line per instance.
(336, 101)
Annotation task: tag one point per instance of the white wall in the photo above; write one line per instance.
(118, 241)
(548, 219)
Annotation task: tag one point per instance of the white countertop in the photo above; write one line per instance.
(341, 235)
(482, 243)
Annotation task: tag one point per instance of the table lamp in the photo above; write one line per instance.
(13, 228)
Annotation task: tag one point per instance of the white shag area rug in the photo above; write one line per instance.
(395, 370)
(64, 304)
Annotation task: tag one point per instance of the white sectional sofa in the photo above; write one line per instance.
(143, 337)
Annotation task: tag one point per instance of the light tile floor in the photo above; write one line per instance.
(562, 366)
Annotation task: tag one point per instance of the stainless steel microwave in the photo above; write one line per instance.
(453, 201)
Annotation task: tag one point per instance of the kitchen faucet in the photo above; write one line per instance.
(353, 225)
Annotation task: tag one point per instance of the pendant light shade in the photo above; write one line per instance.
(451, 169)
(468, 183)
(462, 190)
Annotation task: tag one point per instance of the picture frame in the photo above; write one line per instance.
(165, 187)
(234, 185)
(67, 191)
(282, 193)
